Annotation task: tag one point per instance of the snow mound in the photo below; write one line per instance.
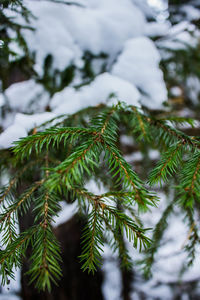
(11, 134)
(26, 96)
(106, 88)
(97, 27)
(21, 126)
(139, 64)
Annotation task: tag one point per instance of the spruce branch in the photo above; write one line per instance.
(171, 135)
(162, 131)
(20, 205)
(46, 254)
(176, 120)
(11, 256)
(116, 243)
(45, 258)
(139, 124)
(168, 164)
(92, 240)
(14, 180)
(53, 136)
(119, 220)
(106, 123)
(75, 155)
(192, 239)
(127, 177)
(71, 170)
(190, 180)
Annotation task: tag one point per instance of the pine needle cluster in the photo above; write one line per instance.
(63, 158)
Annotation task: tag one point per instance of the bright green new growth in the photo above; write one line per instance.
(65, 157)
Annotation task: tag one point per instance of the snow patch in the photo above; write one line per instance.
(65, 214)
(112, 285)
(11, 134)
(26, 96)
(138, 63)
(21, 126)
(106, 88)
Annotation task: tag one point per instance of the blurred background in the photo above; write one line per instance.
(59, 57)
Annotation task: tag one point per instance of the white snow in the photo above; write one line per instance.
(112, 285)
(95, 188)
(26, 96)
(131, 158)
(102, 28)
(179, 36)
(126, 140)
(35, 120)
(9, 290)
(21, 126)
(10, 297)
(99, 91)
(138, 156)
(67, 101)
(66, 32)
(191, 13)
(154, 154)
(66, 213)
(193, 84)
(146, 8)
(138, 63)
(11, 134)
(176, 91)
(98, 27)
(154, 29)
(51, 35)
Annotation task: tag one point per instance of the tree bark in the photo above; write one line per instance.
(75, 284)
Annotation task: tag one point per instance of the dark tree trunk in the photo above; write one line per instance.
(75, 284)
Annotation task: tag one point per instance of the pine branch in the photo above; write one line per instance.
(116, 243)
(127, 177)
(168, 164)
(133, 232)
(45, 257)
(13, 182)
(192, 239)
(66, 173)
(139, 124)
(92, 240)
(190, 181)
(171, 135)
(53, 136)
(174, 120)
(106, 123)
(71, 170)
(46, 253)
(11, 257)
(20, 205)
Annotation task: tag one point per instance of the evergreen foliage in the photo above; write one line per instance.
(9, 59)
(86, 146)
(55, 162)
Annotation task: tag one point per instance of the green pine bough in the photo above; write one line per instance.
(60, 160)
